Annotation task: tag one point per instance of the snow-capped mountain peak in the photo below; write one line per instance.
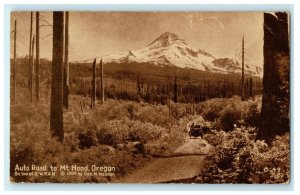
(170, 50)
(164, 40)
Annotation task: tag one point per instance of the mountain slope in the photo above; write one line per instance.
(169, 50)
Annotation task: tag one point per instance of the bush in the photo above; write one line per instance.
(32, 143)
(119, 131)
(106, 138)
(87, 133)
(87, 139)
(252, 114)
(244, 113)
(241, 159)
(230, 116)
(211, 109)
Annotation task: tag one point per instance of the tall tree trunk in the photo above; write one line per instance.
(66, 64)
(101, 82)
(275, 103)
(251, 88)
(243, 76)
(37, 58)
(169, 107)
(56, 110)
(138, 84)
(94, 83)
(247, 89)
(175, 90)
(32, 68)
(29, 62)
(15, 63)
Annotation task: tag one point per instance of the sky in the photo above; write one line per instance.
(95, 34)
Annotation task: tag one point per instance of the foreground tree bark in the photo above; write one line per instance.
(276, 95)
(56, 110)
(66, 64)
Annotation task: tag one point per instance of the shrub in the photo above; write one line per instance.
(228, 112)
(230, 116)
(119, 131)
(87, 139)
(252, 115)
(211, 109)
(157, 115)
(240, 159)
(32, 143)
(106, 138)
(116, 122)
(71, 142)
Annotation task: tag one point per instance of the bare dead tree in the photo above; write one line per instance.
(15, 63)
(32, 68)
(29, 61)
(56, 108)
(251, 88)
(193, 107)
(66, 64)
(37, 59)
(169, 107)
(101, 82)
(243, 76)
(175, 90)
(93, 98)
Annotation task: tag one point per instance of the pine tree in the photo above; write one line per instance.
(276, 96)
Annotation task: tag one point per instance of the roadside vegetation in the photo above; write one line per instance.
(126, 134)
(237, 156)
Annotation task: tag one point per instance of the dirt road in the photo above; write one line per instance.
(185, 162)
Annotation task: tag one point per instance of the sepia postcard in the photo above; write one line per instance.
(150, 97)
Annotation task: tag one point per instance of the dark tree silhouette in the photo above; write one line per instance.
(30, 61)
(15, 63)
(243, 74)
(66, 63)
(251, 88)
(101, 82)
(56, 110)
(275, 103)
(32, 68)
(175, 90)
(93, 96)
(37, 58)
(138, 83)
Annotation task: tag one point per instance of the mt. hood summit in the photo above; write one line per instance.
(170, 50)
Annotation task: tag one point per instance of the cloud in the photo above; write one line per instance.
(213, 21)
(209, 20)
